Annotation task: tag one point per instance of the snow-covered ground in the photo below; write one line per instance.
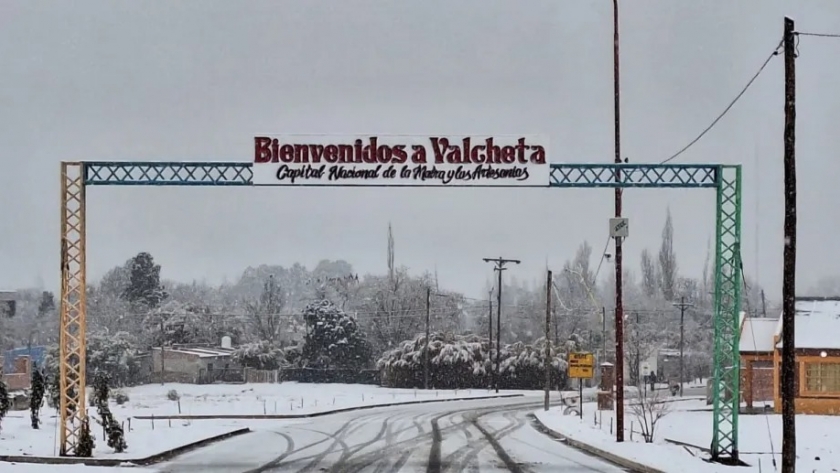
(144, 439)
(760, 436)
(149, 437)
(35, 468)
(282, 398)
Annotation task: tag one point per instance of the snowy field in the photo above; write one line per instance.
(149, 437)
(691, 422)
(143, 438)
(274, 399)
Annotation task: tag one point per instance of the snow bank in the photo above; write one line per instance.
(690, 422)
(282, 398)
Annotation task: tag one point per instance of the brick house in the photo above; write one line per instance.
(19, 378)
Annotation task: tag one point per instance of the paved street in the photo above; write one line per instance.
(469, 436)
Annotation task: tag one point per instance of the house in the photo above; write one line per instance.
(7, 303)
(37, 355)
(17, 375)
(817, 340)
(756, 350)
(194, 364)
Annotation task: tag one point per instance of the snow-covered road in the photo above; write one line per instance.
(470, 436)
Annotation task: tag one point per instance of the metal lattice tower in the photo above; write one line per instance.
(73, 327)
(725, 179)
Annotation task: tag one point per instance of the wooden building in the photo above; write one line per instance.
(817, 356)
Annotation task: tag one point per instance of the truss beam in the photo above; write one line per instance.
(72, 409)
(112, 173)
(680, 176)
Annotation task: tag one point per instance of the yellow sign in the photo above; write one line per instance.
(581, 365)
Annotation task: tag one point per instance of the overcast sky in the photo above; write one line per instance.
(190, 80)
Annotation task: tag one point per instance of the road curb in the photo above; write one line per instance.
(150, 460)
(592, 450)
(316, 414)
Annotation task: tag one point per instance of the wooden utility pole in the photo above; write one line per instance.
(547, 339)
(162, 353)
(500, 266)
(682, 306)
(789, 271)
(490, 340)
(426, 350)
(619, 308)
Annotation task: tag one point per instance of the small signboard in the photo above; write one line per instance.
(619, 227)
(581, 365)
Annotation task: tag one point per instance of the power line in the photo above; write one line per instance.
(819, 35)
(729, 107)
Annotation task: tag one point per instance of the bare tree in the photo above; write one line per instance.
(265, 316)
(649, 276)
(649, 408)
(668, 261)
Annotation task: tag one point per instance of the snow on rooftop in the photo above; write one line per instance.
(200, 352)
(817, 323)
(757, 334)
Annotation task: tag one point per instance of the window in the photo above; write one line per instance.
(822, 378)
(795, 379)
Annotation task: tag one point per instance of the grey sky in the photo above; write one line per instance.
(189, 80)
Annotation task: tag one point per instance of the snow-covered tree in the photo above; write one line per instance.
(115, 437)
(333, 338)
(36, 397)
(5, 402)
(144, 286)
(261, 355)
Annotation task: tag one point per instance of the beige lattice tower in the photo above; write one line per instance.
(72, 410)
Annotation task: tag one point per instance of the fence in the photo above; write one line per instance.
(311, 375)
(232, 376)
(262, 376)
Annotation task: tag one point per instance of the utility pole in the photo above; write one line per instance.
(619, 309)
(500, 266)
(490, 340)
(604, 332)
(547, 339)
(426, 351)
(682, 306)
(763, 304)
(789, 271)
(162, 353)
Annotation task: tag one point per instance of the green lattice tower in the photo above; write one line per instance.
(726, 388)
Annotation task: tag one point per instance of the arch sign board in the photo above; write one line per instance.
(401, 160)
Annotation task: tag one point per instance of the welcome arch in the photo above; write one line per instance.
(725, 180)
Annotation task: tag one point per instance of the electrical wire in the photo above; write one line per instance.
(728, 107)
(818, 35)
(755, 349)
(603, 256)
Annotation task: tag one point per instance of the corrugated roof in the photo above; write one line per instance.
(757, 334)
(817, 323)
